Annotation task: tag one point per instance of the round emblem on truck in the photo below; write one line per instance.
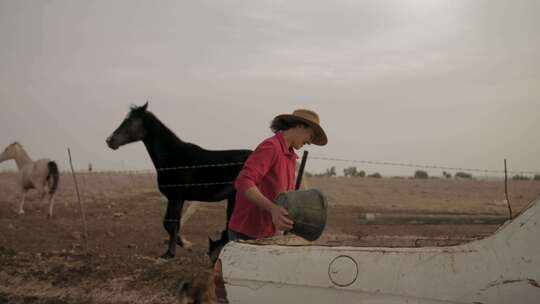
(343, 271)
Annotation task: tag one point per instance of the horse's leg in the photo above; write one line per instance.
(50, 192)
(215, 247)
(231, 200)
(51, 203)
(41, 193)
(171, 223)
(21, 205)
(190, 210)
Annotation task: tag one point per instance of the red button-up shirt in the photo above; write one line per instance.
(271, 169)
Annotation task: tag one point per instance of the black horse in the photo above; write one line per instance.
(185, 171)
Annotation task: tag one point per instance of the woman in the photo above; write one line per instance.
(268, 171)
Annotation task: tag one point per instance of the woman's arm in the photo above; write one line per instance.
(279, 214)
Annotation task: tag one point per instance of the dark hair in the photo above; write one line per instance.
(279, 124)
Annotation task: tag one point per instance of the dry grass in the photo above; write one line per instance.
(43, 260)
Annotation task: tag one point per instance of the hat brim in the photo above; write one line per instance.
(319, 139)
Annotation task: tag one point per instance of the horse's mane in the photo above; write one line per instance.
(160, 129)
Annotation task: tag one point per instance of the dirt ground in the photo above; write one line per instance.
(45, 260)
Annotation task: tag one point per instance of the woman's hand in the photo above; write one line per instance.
(280, 219)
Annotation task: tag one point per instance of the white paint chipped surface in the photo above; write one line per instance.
(502, 268)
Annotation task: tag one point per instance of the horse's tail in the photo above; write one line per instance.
(54, 175)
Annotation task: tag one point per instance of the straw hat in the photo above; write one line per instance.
(311, 119)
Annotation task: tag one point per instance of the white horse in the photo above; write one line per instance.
(42, 174)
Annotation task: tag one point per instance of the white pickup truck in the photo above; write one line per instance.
(501, 268)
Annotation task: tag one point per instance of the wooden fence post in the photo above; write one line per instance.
(81, 209)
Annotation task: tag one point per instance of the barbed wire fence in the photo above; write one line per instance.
(427, 167)
(149, 176)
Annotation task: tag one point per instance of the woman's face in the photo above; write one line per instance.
(302, 135)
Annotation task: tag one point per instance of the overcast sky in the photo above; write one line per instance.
(450, 83)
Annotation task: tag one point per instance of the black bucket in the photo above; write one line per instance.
(307, 209)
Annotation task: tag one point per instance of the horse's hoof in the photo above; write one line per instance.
(184, 243)
(187, 244)
(20, 212)
(49, 216)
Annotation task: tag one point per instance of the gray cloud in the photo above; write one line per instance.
(445, 82)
